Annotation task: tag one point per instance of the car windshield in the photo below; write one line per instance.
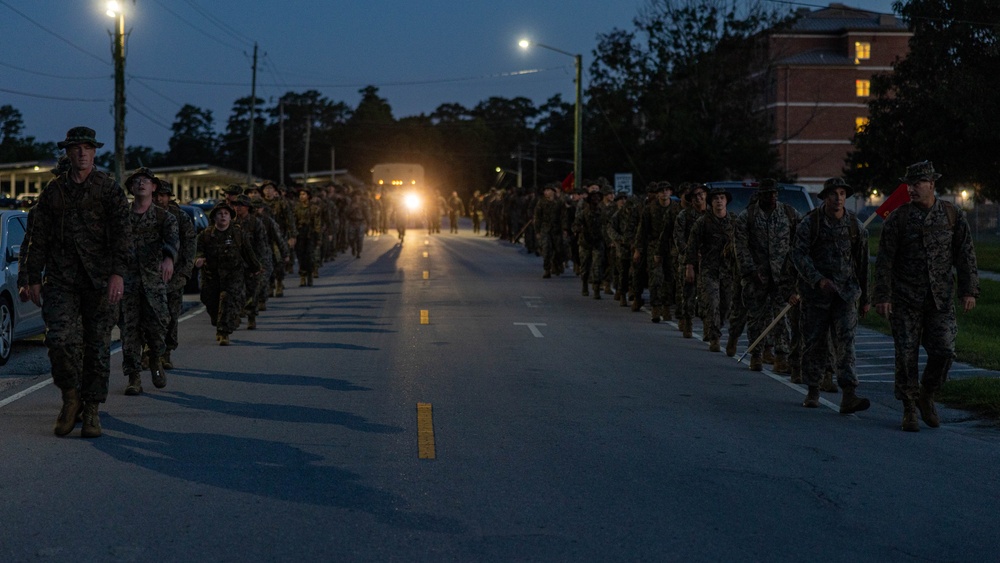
(796, 196)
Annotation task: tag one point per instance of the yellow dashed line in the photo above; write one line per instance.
(425, 317)
(425, 432)
(426, 254)
(427, 275)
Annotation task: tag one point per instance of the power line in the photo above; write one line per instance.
(59, 76)
(200, 30)
(46, 97)
(359, 84)
(219, 23)
(54, 34)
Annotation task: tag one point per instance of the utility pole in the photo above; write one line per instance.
(333, 164)
(519, 166)
(119, 55)
(281, 141)
(305, 159)
(253, 108)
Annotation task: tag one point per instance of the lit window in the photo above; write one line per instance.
(860, 123)
(863, 88)
(862, 51)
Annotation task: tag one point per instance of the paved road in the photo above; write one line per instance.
(562, 428)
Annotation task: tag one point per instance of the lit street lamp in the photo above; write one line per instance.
(115, 11)
(578, 120)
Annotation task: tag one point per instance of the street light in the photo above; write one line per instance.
(115, 11)
(578, 121)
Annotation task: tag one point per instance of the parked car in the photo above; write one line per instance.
(26, 201)
(794, 195)
(7, 201)
(17, 320)
(205, 204)
(200, 221)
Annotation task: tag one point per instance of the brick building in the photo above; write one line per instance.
(820, 83)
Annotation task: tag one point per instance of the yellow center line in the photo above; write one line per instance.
(425, 432)
(427, 275)
(425, 317)
(426, 254)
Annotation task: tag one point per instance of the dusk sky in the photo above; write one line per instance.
(56, 65)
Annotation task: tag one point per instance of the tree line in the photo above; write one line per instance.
(677, 96)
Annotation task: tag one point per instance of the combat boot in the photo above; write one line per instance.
(655, 314)
(607, 288)
(796, 374)
(618, 295)
(309, 280)
(262, 306)
(91, 420)
(166, 362)
(910, 423)
(134, 386)
(781, 365)
(218, 337)
(713, 345)
(586, 289)
(279, 288)
(547, 274)
(636, 304)
(159, 376)
(731, 345)
(827, 385)
(597, 291)
(223, 339)
(755, 362)
(687, 328)
(925, 402)
(768, 355)
(665, 313)
(67, 415)
(315, 273)
(623, 300)
(851, 403)
(812, 398)
(302, 280)
(252, 322)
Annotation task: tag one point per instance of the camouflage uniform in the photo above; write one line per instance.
(829, 248)
(913, 271)
(260, 243)
(281, 211)
(654, 239)
(763, 240)
(183, 268)
(455, 209)
(588, 227)
(356, 227)
(276, 254)
(686, 293)
(228, 257)
(309, 226)
(80, 238)
(145, 314)
(620, 231)
(710, 247)
(550, 221)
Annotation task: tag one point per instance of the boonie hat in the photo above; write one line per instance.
(80, 135)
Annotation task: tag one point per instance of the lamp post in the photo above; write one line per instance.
(115, 11)
(578, 118)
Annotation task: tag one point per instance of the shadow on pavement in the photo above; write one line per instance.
(330, 383)
(262, 468)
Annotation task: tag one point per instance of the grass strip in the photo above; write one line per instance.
(980, 395)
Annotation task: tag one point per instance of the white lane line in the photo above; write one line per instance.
(114, 350)
(533, 327)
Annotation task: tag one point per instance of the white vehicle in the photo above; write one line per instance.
(17, 320)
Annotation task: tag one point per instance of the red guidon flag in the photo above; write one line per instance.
(567, 183)
(898, 197)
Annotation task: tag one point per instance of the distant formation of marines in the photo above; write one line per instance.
(806, 275)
